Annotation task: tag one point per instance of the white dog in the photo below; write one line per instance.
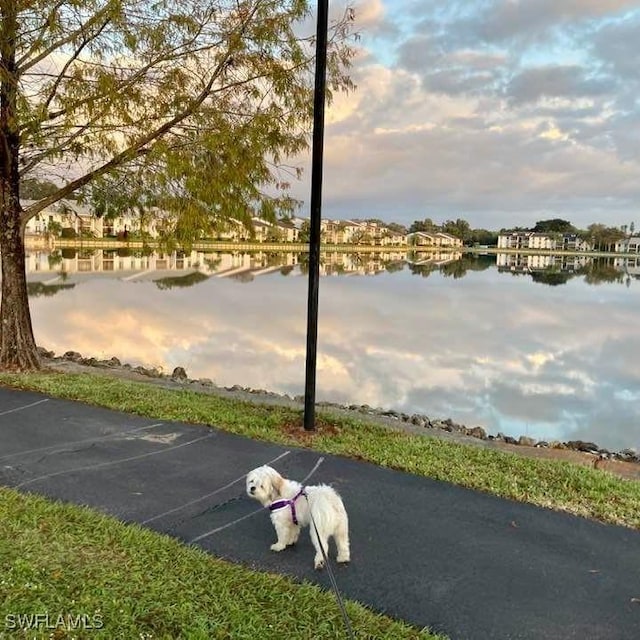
(293, 506)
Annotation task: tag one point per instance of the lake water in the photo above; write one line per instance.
(535, 346)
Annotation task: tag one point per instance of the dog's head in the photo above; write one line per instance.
(264, 484)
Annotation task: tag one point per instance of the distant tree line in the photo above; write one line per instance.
(601, 236)
(459, 228)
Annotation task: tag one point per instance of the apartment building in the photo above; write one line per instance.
(628, 245)
(436, 239)
(545, 241)
(64, 214)
(69, 214)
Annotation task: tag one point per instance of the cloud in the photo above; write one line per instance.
(523, 22)
(463, 71)
(370, 15)
(498, 112)
(615, 45)
(571, 82)
(441, 158)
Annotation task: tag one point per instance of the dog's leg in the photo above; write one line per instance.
(342, 542)
(283, 531)
(294, 534)
(317, 539)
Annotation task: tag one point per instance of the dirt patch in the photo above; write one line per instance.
(296, 431)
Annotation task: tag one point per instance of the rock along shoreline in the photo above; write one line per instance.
(415, 423)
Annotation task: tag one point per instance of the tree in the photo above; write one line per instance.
(595, 233)
(512, 229)
(186, 106)
(275, 235)
(360, 236)
(460, 229)
(426, 225)
(34, 189)
(396, 227)
(603, 237)
(600, 271)
(611, 236)
(305, 231)
(484, 237)
(187, 280)
(557, 225)
(552, 277)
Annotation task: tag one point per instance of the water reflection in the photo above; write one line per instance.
(552, 270)
(473, 337)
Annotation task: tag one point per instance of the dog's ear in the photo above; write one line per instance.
(276, 483)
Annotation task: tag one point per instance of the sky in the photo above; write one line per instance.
(501, 112)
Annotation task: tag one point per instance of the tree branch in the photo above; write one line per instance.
(36, 159)
(39, 40)
(24, 64)
(133, 151)
(67, 64)
(173, 54)
(140, 147)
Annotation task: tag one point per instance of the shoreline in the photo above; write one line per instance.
(625, 463)
(52, 244)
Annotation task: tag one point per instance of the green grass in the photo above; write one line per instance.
(549, 483)
(69, 561)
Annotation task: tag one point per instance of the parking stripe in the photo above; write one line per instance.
(26, 406)
(110, 462)
(248, 515)
(73, 442)
(208, 495)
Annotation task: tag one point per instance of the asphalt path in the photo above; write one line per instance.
(464, 563)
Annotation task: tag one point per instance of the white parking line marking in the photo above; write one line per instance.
(73, 442)
(225, 526)
(249, 515)
(26, 406)
(208, 495)
(111, 462)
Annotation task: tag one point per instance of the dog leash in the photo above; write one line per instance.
(332, 578)
(177, 523)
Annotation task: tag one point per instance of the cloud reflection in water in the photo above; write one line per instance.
(504, 352)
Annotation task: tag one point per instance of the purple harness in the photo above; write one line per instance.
(281, 504)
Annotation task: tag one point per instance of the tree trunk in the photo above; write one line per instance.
(18, 349)
(17, 346)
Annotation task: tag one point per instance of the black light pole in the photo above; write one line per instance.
(316, 207)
